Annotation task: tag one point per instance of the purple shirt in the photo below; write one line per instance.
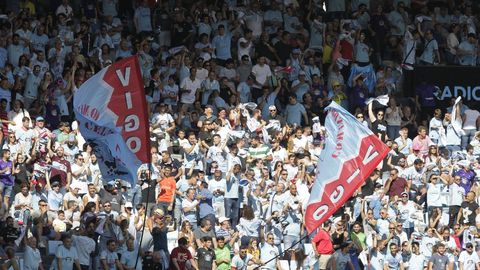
(467, 179)
(358, 96)
(6, 178)
(425, 92)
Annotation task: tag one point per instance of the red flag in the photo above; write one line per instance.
(351, 154)
(112, 113)
(129, 103)
(287, 69)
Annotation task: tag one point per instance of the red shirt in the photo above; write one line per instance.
(397, 187)
(182, 255)
(60, 169)
(323, 243)
(168, 186)
(347, 49)
(4, 127)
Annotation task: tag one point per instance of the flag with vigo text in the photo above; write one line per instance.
(350, 155)
(111, 111)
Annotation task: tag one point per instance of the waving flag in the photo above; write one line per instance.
(351, 154)
(287, 69)
(112, 114)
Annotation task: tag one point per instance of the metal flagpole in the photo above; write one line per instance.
(146, 208)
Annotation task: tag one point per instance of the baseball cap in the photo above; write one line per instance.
(39, 118)
(416, 147)
(158, 212)
(128, 205)
(223, 219)
(336, 83)
(272, 107)
(296, 51)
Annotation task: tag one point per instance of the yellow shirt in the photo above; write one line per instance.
(327, 54)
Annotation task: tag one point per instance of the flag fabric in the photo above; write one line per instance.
(369, 76)
(457, 123)
(287, 69)
(112, 115)
(350, 155)
(383, 100)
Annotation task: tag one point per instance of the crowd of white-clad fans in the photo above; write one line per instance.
(236, 92)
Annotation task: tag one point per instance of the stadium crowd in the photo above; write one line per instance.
(236, 92)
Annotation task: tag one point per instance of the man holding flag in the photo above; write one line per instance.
(351, 154)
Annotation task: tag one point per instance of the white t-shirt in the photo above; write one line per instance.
(434, 133)
(243, 51)
(192, 86)
(456, 194)
(416, 262)
(434, 193)
(452, 137)
(163, 120)
(469, 260)
(82, 179)
(261, 73)
(408, 143)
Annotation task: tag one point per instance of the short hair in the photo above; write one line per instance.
(182, 241)
(206, 238)
(203, 223)
(418, 161)
(65, 236)
(421, 128)
(110, 241)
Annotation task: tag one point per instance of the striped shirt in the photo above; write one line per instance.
(259, 152)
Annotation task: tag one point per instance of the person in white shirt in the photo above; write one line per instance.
(218, 185)
(468, 259)
(456, 197)
(189, 87)
(262, 72)
(405, 144)
(245, 44)
(269, 253)
(417, 260)
(436, 126)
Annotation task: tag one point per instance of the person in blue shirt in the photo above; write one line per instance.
(295, 111)
(222, 44)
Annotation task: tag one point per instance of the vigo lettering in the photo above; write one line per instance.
(320, 212)
(337, 194)
(369, 156)
(134, 144)
(128, 100)
(353, 176)
(124, 79)
(132, 123)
